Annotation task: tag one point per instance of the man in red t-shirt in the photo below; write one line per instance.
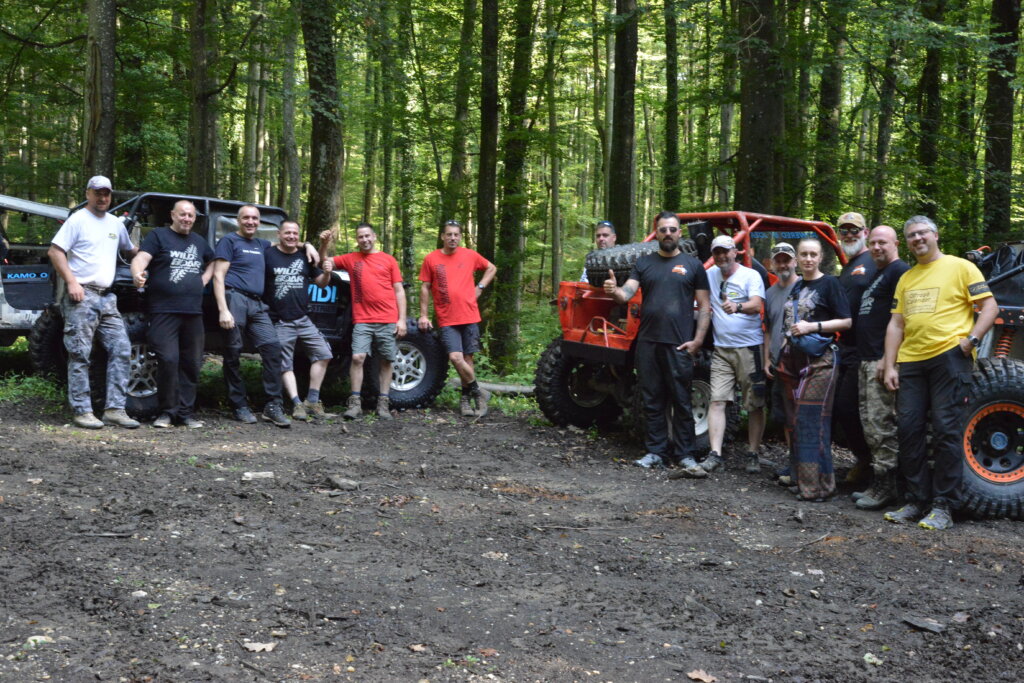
(447, 277)
(378, 311)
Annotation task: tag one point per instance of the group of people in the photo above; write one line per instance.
(882, 350)
(261, 292)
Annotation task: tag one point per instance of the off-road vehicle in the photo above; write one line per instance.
(419, 370)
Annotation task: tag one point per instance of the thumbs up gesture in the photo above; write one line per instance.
(610, 285)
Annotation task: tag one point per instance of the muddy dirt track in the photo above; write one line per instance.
(493, 549)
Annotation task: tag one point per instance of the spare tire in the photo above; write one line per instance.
(418, 373)
(993, 440)
(620, 260)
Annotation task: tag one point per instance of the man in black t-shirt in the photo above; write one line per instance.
(288, 276)
(878, 404)
(666, 343)
(174, 265)
(854, 277)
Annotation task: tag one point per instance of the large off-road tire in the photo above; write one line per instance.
(621, 258)
(700, 402)
(993, 440)
(565, 390)
(418, 373)
(49, 356)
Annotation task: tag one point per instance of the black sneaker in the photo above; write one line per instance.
(712, 462)
(245, 415)
(753, 464)
(273, 412)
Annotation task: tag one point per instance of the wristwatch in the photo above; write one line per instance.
(973, 341)
(481, 287)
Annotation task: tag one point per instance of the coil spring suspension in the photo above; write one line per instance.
(1003, 346)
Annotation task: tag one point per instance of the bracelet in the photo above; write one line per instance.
(819, 328)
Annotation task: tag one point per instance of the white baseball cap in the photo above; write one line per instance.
(99, 182)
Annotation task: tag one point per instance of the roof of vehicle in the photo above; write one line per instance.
(9, 203)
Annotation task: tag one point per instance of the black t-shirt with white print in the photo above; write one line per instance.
(175, 283)
(288, 277)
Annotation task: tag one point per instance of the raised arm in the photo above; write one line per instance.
(620, 294)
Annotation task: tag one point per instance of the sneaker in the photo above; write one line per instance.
(688, 469)
(316, 411)
(383, 411)
(937, 520)
(711, 462)
(355, 407)
(299, 412)
(163, 421)
(753, 464)
(192, 423)
(120, 418)
(880, 494)
(87, 421)
(466, 406)
(274, 412)
(245, 415)
(649, 461)
(481, 400)
(906, 514)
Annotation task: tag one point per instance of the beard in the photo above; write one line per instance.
(668, 243)
(857, 247)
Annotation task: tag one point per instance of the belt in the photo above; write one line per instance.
(248, 295)
(102, 291)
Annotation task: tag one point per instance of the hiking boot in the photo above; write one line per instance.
(905, 515)
(87, 421)
(299, 412)
(712, 462)
(937, 520)
(274, 412)
(163, 421)
(481, 400)
(383, 411)
(316, 410)
(650, 461)
(879, 495)
(119, 418)
(245, 415)
(466, 406)
(192, 423)
(688, 469)
(753, 464)
(355, 407)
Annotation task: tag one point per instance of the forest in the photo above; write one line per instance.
(527, 120)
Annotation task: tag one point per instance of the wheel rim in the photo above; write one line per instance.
(580, 390)
(142, 372)
(409, 368)
(994, 442)
(700, 399)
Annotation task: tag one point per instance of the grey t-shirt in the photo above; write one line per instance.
(777, 296)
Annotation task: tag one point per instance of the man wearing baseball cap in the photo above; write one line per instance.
(737, 297)
(855, 277)
(84, 254)
(784, 266)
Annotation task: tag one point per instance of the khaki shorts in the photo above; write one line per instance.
(375, 338)
(732, 367)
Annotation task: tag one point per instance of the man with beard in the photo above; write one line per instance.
(783, 265)
(174, 265)
(878, 405)
(667, 343)
(855, 277)
(604, 237)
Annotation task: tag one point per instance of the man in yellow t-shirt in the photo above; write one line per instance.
(932, 335)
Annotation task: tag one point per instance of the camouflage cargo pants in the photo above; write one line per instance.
(95, 316)
(878, 415)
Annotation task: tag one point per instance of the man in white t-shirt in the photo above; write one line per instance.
(84, 254)
(737, 297)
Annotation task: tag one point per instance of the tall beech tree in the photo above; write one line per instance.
(621, 192)
(1005, 22)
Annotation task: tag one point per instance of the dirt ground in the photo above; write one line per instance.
(490, 549)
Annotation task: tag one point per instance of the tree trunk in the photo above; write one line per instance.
(98, 126)
(886, 105)
(1005, 22)
(621, 190)
(505, 316)
(761, 108)
(251, 132)
(325, 143)
(929, 114)
(290, 150)
(372, 90)
(672, 200)
(726, 112)
(453, 199)
(203, 138)
(553, 151)
(827, 159)
(600, 125)
(486, 191)
(406, 165)
(387, 70)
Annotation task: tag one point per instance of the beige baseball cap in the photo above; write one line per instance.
(851, 218)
